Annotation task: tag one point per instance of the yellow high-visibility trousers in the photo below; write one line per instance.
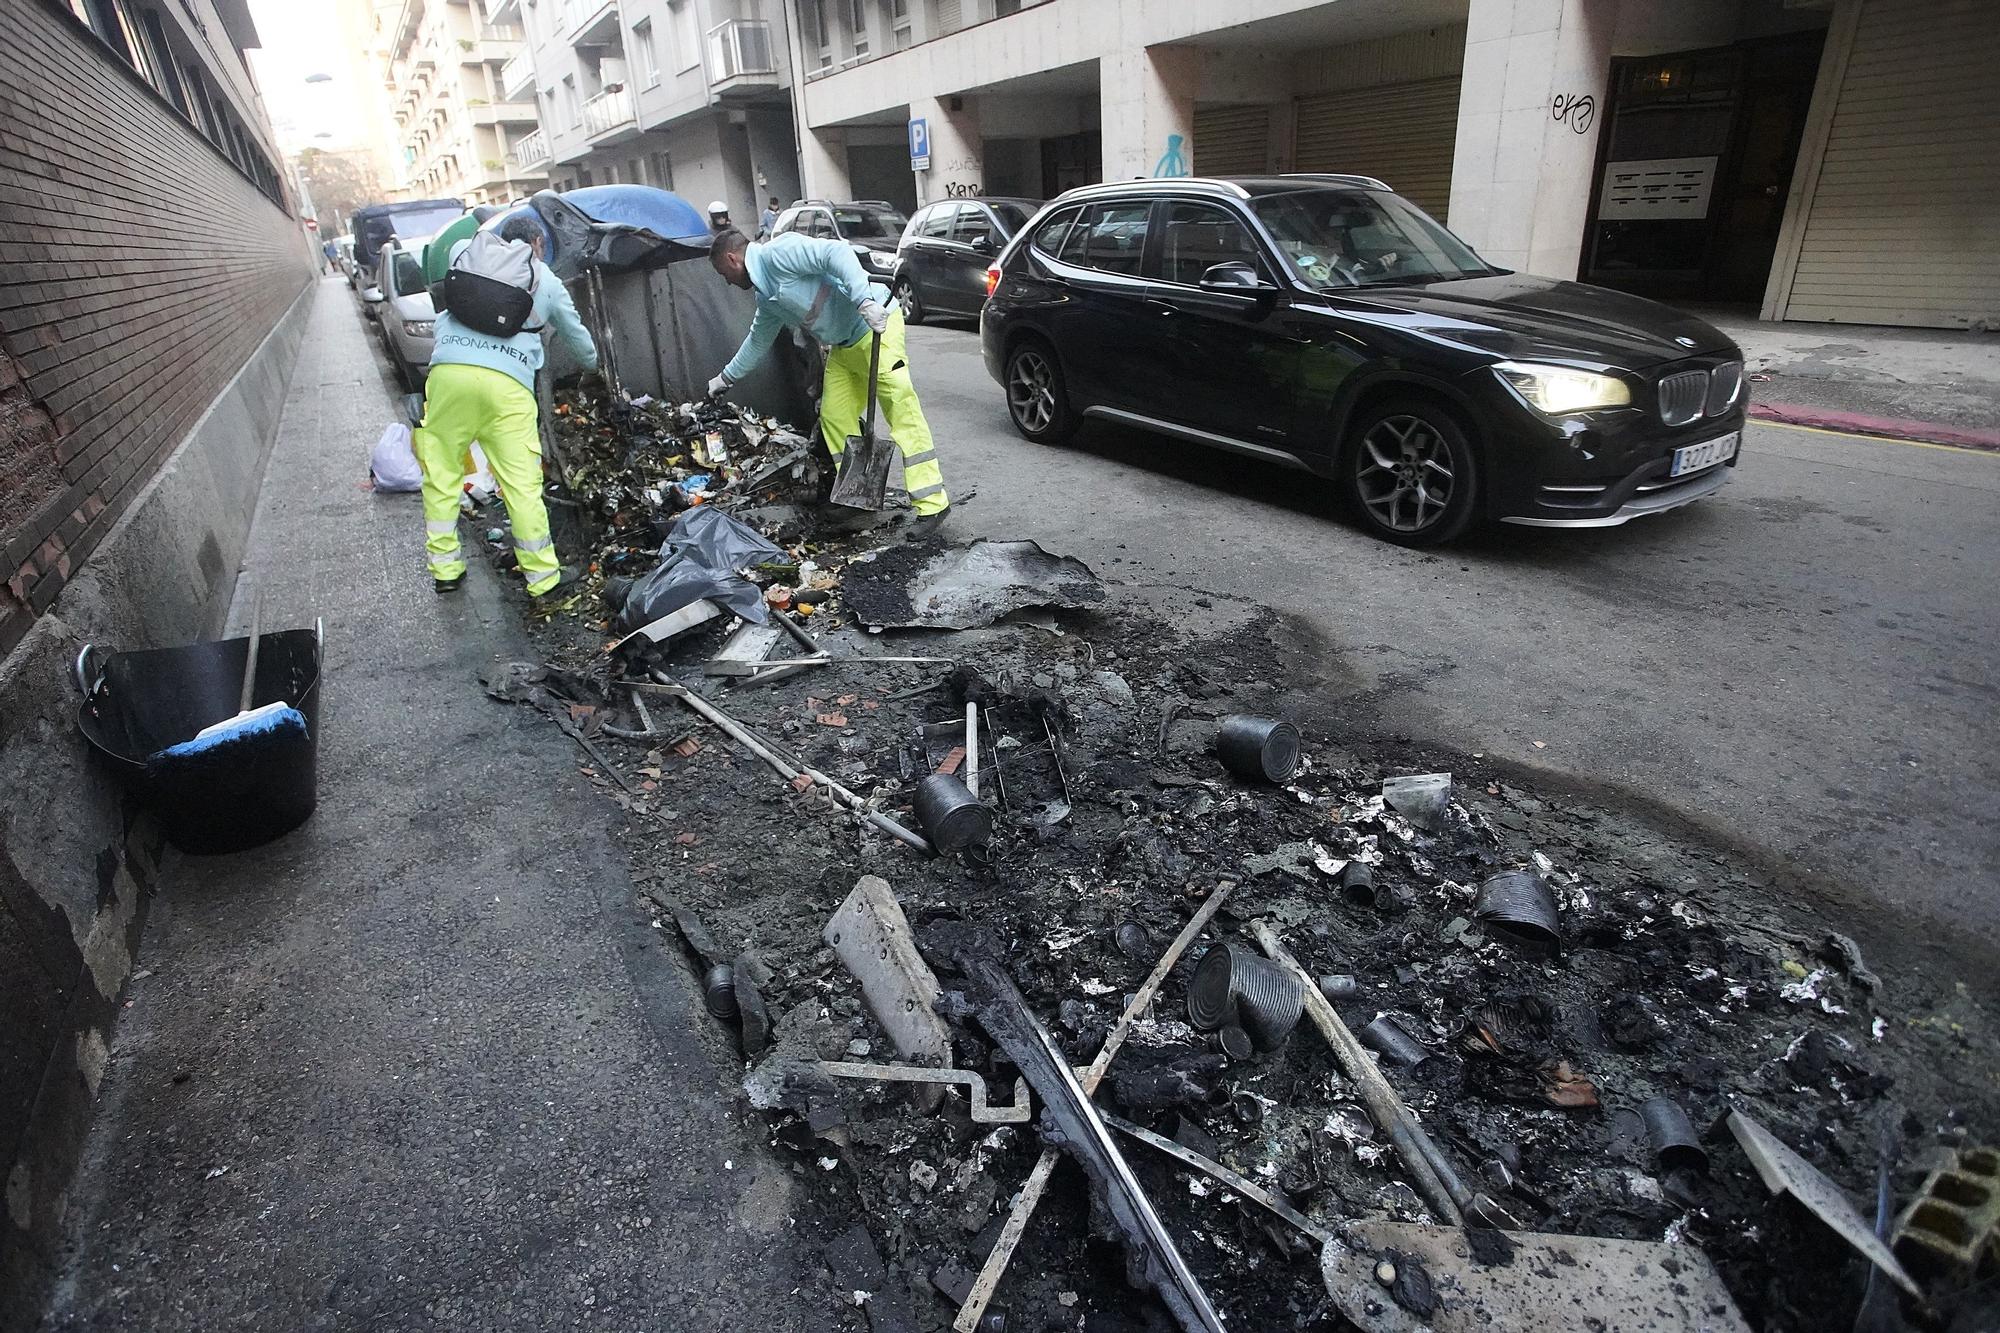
(844, 397)
(467, 403)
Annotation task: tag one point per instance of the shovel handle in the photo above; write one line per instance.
(874, 364)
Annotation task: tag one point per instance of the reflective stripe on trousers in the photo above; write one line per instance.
(467, 403)
(844, 397)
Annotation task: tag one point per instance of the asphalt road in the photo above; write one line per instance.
(1802, 667)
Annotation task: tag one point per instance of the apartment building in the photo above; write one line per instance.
(1812, 159)
(457, 125)
(687, 95)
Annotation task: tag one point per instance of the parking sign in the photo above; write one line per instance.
(920, 145)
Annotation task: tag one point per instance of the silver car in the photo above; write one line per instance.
(403, 308)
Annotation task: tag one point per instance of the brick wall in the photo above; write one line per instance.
(139, 268)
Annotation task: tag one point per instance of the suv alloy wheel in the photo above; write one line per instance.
(1037, 398)
(1410, 473)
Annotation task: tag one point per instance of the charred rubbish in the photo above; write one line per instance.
(1679, 976)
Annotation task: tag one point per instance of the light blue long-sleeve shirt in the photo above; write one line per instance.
(520, 355)
(803, 282)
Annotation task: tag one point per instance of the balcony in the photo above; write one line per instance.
(517, 76)
(496, 10)
(494, 45)
(531, 153)
(607, 117)
(742, 57)
(591, 22)
(502, 113)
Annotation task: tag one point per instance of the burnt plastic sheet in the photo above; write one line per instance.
(966, 587)
(703, 551)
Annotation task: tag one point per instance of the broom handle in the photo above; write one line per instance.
(250, 661)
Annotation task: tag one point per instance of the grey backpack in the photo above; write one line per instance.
(491, 285)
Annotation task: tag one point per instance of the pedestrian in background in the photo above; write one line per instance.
(718, 216)
(482, 387)
(816, 284)
(767, 222)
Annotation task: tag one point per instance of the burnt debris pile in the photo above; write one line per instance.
(1078, 991)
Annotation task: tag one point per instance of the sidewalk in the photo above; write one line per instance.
(420, 1065)
(1940, 385)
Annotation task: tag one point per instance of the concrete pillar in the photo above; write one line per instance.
(823, 165)
(1531, 103)
(958, 165)
(1148, 99)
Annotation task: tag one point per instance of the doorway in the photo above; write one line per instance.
(1695, 166)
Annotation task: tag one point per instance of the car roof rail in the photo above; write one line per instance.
(1171, 184)
(874, 203)
(1342, 177)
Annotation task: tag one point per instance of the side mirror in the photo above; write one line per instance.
(1237, 276)
(372, 294)
(983, 245)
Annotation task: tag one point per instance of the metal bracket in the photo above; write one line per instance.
(983, 1112)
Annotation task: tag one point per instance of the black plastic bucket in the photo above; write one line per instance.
(1262, 749)
(137, 704)
(1519, 906)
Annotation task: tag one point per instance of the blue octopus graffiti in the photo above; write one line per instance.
(1173, 162)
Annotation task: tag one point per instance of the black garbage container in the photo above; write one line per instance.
(137, 704)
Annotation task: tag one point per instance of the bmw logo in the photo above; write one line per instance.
(1685, 342)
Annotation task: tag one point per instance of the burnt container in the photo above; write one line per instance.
(953, 818)
(1260, 749)
(1234, 985)
(1518, 906)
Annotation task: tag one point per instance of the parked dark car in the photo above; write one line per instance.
(942, 260)
(1326, 323)
(871, 226)
(373, 225)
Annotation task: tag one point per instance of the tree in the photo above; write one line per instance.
(340, 183)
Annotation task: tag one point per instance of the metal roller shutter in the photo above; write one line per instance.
(1402, 134)
(1232, 141)
(1902, 226)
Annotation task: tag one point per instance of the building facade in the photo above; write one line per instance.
(154, 282)
(691, 96)
(1809, 159)
(457, 126)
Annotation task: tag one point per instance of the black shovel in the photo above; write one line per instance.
(862, 478)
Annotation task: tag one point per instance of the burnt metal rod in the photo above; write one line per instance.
(1243, 1185)
(1384, 1106)
(972, 748)
(999, 778)
(1037, 1182)
(736, 732)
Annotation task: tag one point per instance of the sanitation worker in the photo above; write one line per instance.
(481, 387)
(816, 284)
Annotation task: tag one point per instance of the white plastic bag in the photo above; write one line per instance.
(394, 462)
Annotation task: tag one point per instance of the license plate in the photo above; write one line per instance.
(1695, 457)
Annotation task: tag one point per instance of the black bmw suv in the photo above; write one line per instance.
(1328, 324)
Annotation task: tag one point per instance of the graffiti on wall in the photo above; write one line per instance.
(1575, 110)
(1174, 161)
(961, 189)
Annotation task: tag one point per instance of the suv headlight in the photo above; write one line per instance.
(419, 328)
(880, 259)
(1558, 391)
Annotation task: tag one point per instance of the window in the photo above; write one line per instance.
(1115, 237)
(822, 224)
(1358, 238)
(687, 33)
(789, 220)
(663, 171)
(1050, 236)
(649, 59)
(973, 225)
(1012, 216)
(857, 25)
(572, 113)
(1196, 236)
(936, 222)
(899, 22)
(858, 222)
(408, 275)
(814, 14)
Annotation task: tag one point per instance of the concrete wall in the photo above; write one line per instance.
(77, 861)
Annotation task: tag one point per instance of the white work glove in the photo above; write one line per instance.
(877, 316)
(718, 386)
